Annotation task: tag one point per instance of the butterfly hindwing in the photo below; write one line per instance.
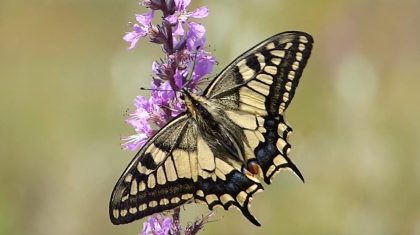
(233, 190)
(227, 188)
(266, 138)
(272, 153)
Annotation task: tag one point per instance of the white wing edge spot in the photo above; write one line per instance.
(133, 188)
(175, 200)
(303, 39)
(291, 75)
(153, 203)
(123, 212)
(240, 198)
(133, 210)
(302, 47)
(295, 65)
(116, 213)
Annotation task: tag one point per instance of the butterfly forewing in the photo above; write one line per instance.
(150, 183)
(266, 75)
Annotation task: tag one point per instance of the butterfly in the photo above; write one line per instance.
(227, 141)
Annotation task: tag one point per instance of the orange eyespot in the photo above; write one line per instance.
(253, 167)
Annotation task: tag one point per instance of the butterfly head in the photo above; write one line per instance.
(195, 103)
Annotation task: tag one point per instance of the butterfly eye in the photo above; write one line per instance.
(182, 97)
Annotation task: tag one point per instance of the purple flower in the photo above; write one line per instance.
(180, 76)
(139, 31)
(157, 225)
(138, 119)
(135, 141)
(203, 66)
(196, 36)
(163, 93)
(181, 15)
(177, 108)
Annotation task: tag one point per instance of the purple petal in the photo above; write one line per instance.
(167, 225)
(167, 92)
(134, 36)
(157, 225)
(179, 77)
(198, 29)
(171, 19)
(146, 18)
(149, 226)
(162, 95)
(177, 108)
(182, 4)
(200, 12)
(139, 118)
(204, 65)
(179, 30)
(146, 228)
(134, 142)
(196, 36)
(141, 102)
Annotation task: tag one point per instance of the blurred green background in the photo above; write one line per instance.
(67, 80)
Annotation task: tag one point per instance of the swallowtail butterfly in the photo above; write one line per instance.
(228, 140)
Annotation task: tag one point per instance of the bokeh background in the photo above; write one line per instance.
(66, 80)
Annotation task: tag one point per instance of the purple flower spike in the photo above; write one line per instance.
(183, 43)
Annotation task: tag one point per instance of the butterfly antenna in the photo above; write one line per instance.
(176, 97)
(149, 89)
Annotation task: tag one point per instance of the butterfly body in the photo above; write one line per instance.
(214, 126)
(227, 139)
